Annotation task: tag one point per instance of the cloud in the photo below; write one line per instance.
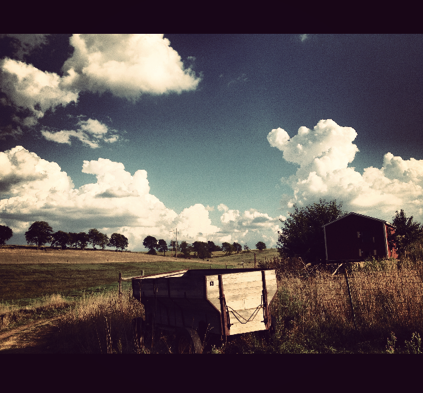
(222, 208)
(127, 65)
(33, 90)
(24, 44)
(33, 189)
(323, 156)
(248, 226)
(194, 223)
(23, 174)
(90, 132)
(10, 131)
(240, 79)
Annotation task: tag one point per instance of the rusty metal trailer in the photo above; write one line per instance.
(217, 302)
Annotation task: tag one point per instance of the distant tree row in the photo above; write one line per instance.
(40, 233)
(201, 249)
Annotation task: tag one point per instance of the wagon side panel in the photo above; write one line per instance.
(243, 292)
(271, 284)
(178, 302)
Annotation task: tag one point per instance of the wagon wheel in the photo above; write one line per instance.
(188, 342)
(272, 330)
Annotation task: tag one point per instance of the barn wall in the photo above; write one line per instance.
(343, 242)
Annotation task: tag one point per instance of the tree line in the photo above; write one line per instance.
(201, 249)
(301, 235)
(40, 233)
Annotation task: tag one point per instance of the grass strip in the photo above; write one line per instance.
(21, 284)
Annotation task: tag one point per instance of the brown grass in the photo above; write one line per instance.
(384, 299)
(100, 324)
(312, 309)
(47, 255)
(12, 314)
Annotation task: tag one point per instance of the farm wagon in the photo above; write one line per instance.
(194, 303)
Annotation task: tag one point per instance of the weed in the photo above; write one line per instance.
(390, 347)
(414, 346)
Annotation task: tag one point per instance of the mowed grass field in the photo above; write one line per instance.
(30, 274)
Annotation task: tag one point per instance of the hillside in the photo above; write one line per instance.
(25, 255)
(9, 255)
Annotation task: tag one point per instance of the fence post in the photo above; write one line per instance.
(120, 284)
(254, 260)
(142, 272)
(349, 295)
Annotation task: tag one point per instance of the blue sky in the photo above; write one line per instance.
(216, 135)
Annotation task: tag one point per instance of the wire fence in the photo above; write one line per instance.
(361, 298)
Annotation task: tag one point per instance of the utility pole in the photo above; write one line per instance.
(176, 242)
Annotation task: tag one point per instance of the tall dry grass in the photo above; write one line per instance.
(100, 323)
(12, 313)
(315, 311)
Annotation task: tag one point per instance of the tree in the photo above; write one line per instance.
(172, 245)
(246, 248)
(185, 249)
(227, 248)
(302, 234)
(237, 247)
(82, 240)
(103, 240)
(162, 246)
(61, 239)
(5, 234)
(96, 238)
(213, 247)
(202, 249)
(39, 233)
(406, 233)
(73, 240)
(150, 242)
(261, 246)
(119, 241)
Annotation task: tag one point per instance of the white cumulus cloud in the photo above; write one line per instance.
(323, 156)
(33, 189)
(248, 226)
(90, 132)
(29, 88)
(127, 65)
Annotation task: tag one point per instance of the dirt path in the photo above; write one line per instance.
(29, 338)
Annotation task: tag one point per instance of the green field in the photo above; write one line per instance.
(30, 276)
(23, 283)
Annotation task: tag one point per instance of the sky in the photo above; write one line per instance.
(215, 136)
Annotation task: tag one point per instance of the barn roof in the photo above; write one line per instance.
(360, 215)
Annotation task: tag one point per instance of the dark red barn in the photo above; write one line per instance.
(356, 237)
